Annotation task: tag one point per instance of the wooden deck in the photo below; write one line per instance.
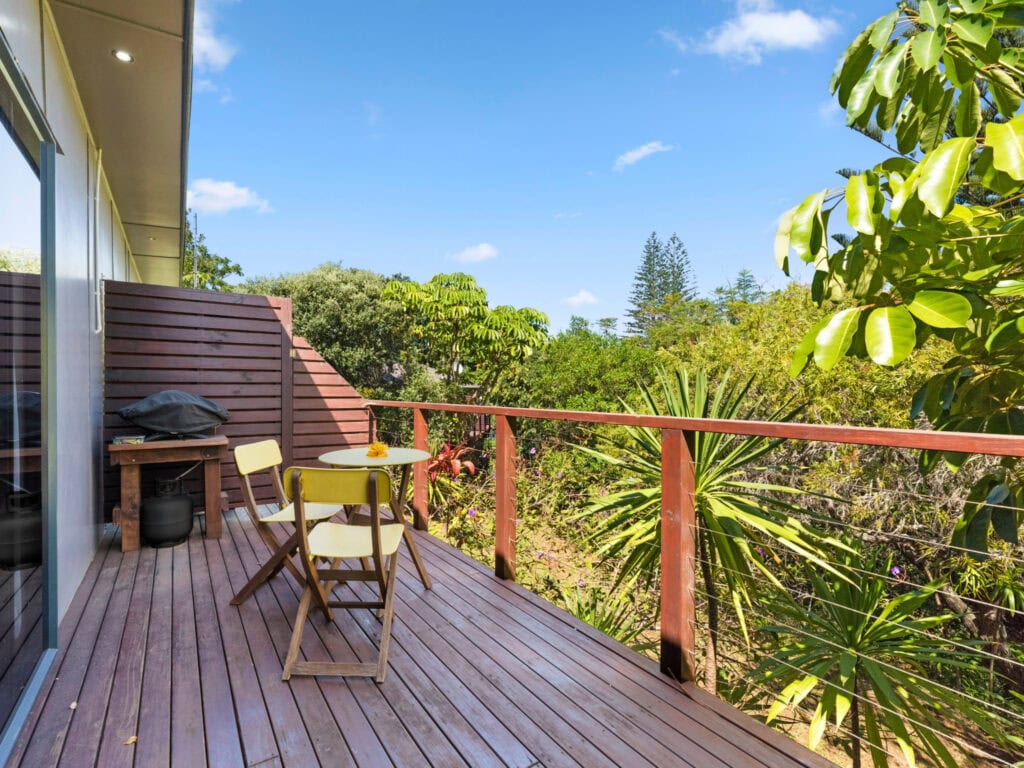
(157, 669)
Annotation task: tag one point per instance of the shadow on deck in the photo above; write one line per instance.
(157, 669)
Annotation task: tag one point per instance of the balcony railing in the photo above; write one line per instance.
(678, 519)
(679, 557)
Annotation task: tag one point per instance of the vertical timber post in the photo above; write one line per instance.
(505, 501)
(284, 313)
(678, 554)
(421, 513)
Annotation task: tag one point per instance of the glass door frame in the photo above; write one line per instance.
(49, 149)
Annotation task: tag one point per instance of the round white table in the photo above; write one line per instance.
(397, 457)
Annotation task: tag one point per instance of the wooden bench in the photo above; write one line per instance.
(211, 451)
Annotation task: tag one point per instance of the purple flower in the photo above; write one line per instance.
(895, 571)
(759, 551)
(581, 583)
(533, 451)
(518, 522)
(541, 555)
(471, 512)
(538, 473)
(560, 474)
(484, 455)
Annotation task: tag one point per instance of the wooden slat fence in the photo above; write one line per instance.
(19, 332)
(236, 349)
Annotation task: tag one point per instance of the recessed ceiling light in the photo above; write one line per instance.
(152, 239)
(122, 55)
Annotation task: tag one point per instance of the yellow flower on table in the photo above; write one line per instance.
(377, 450)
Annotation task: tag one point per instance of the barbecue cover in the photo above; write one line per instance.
(175, 413)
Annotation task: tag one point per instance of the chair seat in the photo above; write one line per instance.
(331, 540)
(314, 511)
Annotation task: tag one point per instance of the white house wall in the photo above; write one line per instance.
(29, 28)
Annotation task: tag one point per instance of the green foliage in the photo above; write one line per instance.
(732, 298)
(869, 662)
(202, 269)
(23, 261)
(734, 514)
(664, 275)
(580, 369)
(938, 248)
(615, 614)
(460, 335)
(343, 314)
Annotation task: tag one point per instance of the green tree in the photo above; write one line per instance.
(463, 338)
(343, 314)
(200, 268)
(732, 297)
(664, 277)
(929, 256)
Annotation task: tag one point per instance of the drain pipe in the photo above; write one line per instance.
(97, 299)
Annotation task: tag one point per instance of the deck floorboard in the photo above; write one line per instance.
(482, 673)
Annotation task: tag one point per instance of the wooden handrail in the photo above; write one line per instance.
(966, 442)
(678, 512)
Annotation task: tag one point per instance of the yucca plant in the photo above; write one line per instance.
(735, 515)
(616, 614)
(866, 660)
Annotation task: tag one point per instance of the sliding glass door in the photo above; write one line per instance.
(25, 580)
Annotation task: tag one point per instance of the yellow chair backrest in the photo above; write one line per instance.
(256, 456)
(338, 486)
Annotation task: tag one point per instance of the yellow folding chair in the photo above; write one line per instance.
(266, 456)
(375, 546)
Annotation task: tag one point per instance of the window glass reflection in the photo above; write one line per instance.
(21, 546)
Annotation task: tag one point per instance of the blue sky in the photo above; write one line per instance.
(533, 145)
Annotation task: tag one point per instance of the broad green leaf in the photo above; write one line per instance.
(1007, 142)
(976, 538)
(997, 181)
(860, 203)
(934, 129)
(968, 111)
(782, 240)
(927, 49)
(881, 30)
(860, 97)
(806, 348)
(959, 67)
(974, 28)
(1006, 335)
(1005, 92)
(1004, 523)
(934, 14)
(973, 6)
(890, 335)
(889, 71)
(834, 339)
(1008, 288)
(942, 170)
(855, 62)
(805, 234)
(941, 309)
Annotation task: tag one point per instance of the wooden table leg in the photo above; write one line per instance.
(211, 469)
(398, 508)
(130, 501)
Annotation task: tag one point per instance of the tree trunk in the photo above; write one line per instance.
(711, 652)
(855, 726)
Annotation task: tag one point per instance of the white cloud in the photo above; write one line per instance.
(210, 196)
(204, 85)
(580, 298)
(759, 26)
(211, 51)
(829, 112)
(568, 215)
(475, 253)
(672, 37)
(627, 159)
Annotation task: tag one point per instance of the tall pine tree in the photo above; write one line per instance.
(646, 283)
(664, 274)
